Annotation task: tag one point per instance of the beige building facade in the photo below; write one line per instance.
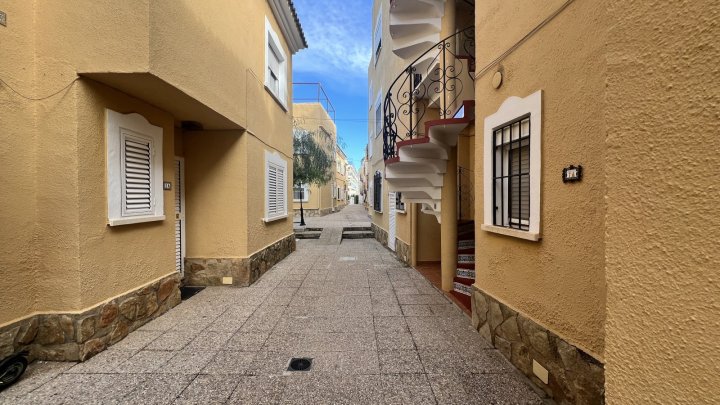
(591, 257)
(128, 164)
(320, 200)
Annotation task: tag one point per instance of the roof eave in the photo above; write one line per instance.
(287, 18)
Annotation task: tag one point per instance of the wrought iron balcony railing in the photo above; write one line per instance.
(435, 79)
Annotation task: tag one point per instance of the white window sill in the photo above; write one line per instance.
(401, 212)
(135, 220)
(273, 219)
(297, 201)
(377, 212)
(277, 99)
(531, 236)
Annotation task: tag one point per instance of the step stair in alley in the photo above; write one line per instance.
(465, 273)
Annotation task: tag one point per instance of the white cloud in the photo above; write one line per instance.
(338, 34)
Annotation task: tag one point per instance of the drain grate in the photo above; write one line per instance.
(187, 292)
(300, 364)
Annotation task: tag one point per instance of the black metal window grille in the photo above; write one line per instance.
(399, 203)
(511, 174)
(377, 192)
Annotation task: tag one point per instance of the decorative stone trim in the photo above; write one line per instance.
(575, 376)
(381, 235)
(402, 251)
(244, 271)
(78, 337)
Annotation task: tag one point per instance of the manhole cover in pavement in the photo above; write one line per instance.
(299, 364)
(347, 259)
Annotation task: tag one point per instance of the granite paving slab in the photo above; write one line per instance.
(377, 331)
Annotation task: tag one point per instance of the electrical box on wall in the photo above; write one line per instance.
(572, 174)
(3, 19)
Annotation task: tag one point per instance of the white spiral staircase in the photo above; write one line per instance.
(415, 25)
(418, 169)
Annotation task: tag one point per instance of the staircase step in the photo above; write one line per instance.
(462, 299)
(358, 235)
(466, 244)
(465, 274)
(469, 251)
(466, 258)
(461, 288)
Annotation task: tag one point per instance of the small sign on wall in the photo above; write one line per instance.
(3, 19)
(572, 174)
(167, 185)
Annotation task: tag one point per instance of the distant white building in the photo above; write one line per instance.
(353, 183)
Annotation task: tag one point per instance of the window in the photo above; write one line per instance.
(275, 187)
(301, 193)
(512, 168)
(377, 197)
(399, 203)
(276, 66)
(377, 36)
(134, 169)
(511, 175)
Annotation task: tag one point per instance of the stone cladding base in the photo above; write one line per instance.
(77, 337)
(380, 234)
(244, 271)
(402, 249)
(575, 376)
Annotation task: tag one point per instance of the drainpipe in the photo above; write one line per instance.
(448, 223)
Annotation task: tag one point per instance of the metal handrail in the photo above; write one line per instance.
(321, 97)
(441, 78)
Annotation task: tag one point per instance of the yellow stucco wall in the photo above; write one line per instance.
(428, 238)
(663, 171)
(261, 234)
(312, 116)
(559, 281)
(58, 253)
(112, 260)
(215, 193)
(18, 205)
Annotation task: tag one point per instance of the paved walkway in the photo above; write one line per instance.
(377, 331)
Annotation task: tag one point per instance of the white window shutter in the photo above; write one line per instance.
(276, 183)
(137, 179)
(134, 169)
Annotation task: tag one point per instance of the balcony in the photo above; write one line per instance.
(425, 110)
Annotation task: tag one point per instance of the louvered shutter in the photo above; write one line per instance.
(276, 195)
(137, 157)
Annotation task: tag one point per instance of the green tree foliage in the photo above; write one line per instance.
(313, 157)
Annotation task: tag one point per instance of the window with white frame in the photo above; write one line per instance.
(512, 168)
(276, 78)
(134, 169)
(377, 37)
(301, 193)
(378, 115)
(275, 187)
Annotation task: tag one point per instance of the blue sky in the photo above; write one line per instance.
(338, 33)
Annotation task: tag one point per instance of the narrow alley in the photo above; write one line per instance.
(376, 331)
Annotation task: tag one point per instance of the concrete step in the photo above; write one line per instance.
(358, 235)
(307, 235)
